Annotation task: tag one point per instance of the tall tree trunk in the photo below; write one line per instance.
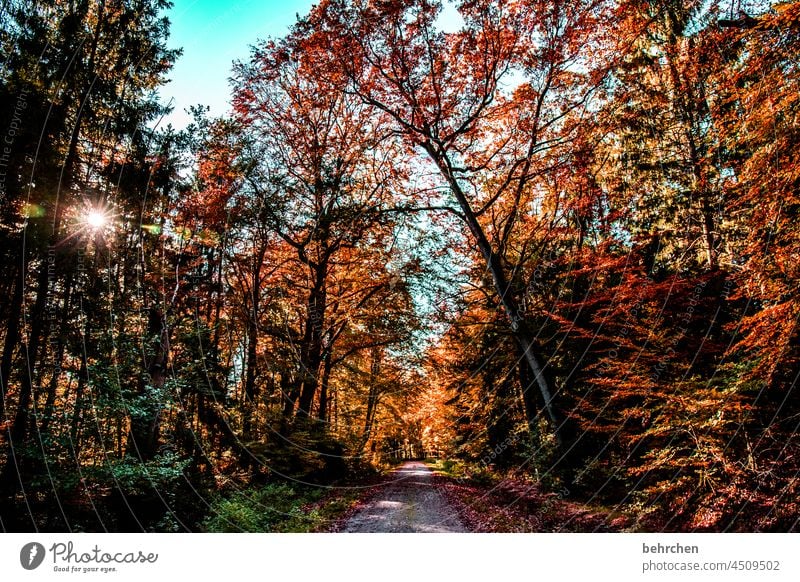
(684, 106)
(77, 413)
(708, 233)
(531, 404)
(701, 190)
(311, 353)
(250, 379)
(252, 341)
(251, 364)
(10, 477)
(59, 355)
(12, 337)
(290, 390)
(146, 413)
(372, 395)
(30, 351)
(324, 401)
(335, 406)
(503, 288)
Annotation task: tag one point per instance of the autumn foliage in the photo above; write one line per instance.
(554, 240)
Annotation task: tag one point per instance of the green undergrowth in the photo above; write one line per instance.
(463, 471)
(279, 507)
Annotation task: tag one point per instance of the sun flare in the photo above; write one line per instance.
(96, 219)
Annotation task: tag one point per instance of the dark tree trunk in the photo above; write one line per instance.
(30, 351)
(12, 337)
(324, 401)
(503, 289)
(290, 390)
(372, 396)
(250, 375)
(10, 477)
(250, 380)
(251, 364)
(59, 355)
(146, 413)
(77, 413)
(311, 353)
(209, 414)
(531, 397)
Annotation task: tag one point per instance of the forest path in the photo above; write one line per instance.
(408, 502)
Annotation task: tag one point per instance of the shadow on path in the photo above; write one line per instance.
(408, 502)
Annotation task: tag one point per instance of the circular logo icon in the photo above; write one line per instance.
(31, 555)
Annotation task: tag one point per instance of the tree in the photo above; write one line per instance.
(321, 175)
(78, 126)
(444, 93)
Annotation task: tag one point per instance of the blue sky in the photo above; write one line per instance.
(213, 34)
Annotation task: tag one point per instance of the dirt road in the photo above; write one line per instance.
(407, 502)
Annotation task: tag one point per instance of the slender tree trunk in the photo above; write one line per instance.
(706, 211)
(312, 349)
(251, 365)
(252, 341)
(372, 395)
(250, 380)
(30, 351)
(290, 390)
(335, 399)
(324, 400)
(708, 234)
(10, 477)
(503, 288)
(530, 402)
(146, 413)
(59, 355)
(683, 105)
(12, 337)
(217, 309)
(77, 413)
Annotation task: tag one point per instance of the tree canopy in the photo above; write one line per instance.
(556, 239)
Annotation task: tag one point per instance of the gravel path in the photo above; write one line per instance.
(407, 502)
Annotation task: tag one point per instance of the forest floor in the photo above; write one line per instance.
(409, 501)
(518, 504)
(416, 498)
